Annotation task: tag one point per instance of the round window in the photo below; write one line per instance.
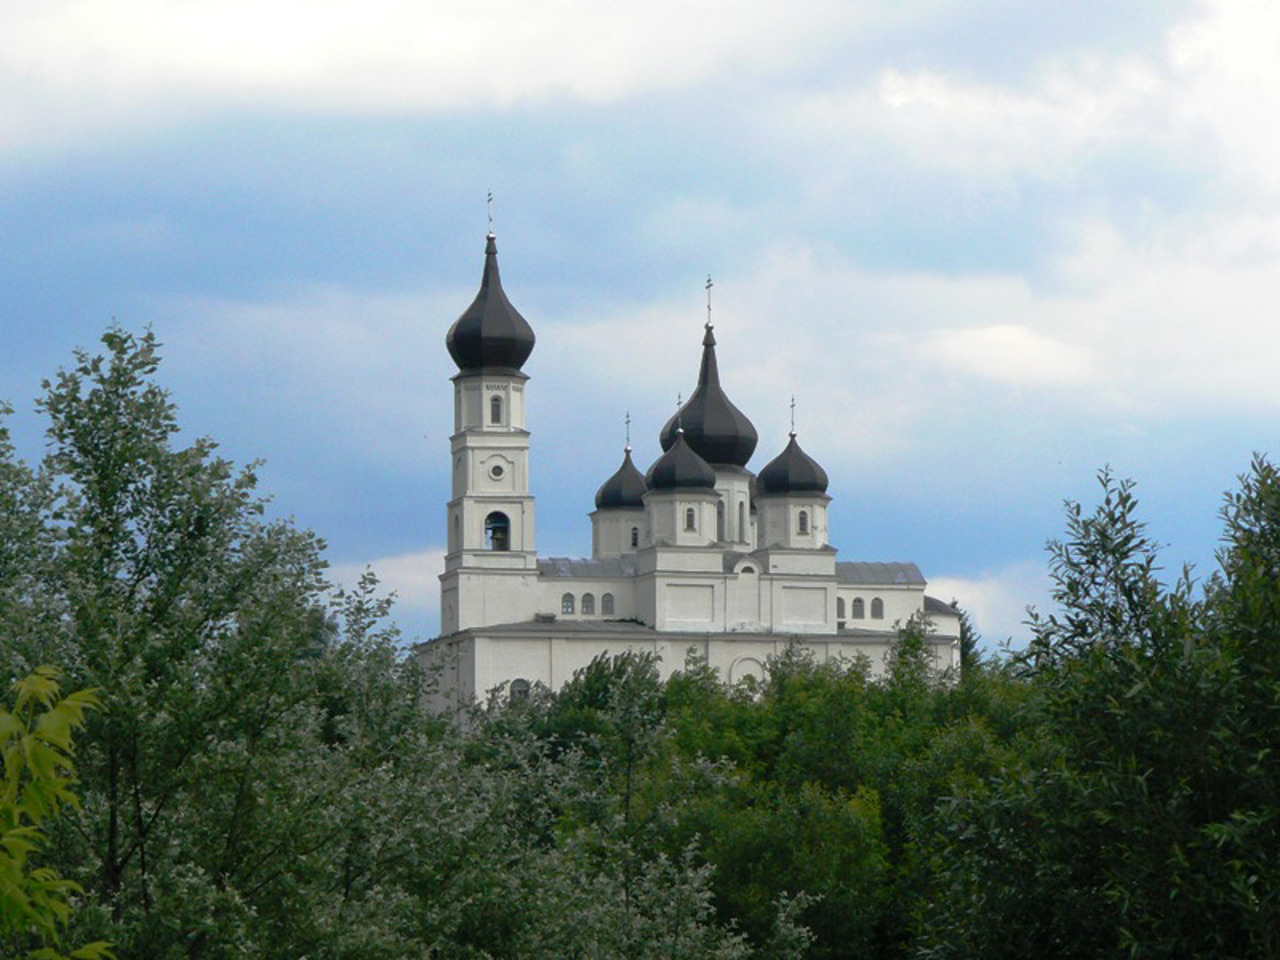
(496, 471)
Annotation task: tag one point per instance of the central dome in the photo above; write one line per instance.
(713, 427)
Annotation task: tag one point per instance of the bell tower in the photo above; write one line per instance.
(491, 564)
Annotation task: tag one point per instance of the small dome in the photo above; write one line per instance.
(717, 430)
(792, 471)
(491, 334)
(679, 468)
(624, 489)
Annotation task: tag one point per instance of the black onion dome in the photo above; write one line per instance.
(624, 489)
(717, 430)
(792, 471)
(491, 334)
(679, 468)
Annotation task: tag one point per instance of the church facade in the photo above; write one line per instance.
(698, 555)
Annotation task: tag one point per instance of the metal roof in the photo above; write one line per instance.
(567, 568)
(860, 573)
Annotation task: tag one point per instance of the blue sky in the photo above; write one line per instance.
(989, 246)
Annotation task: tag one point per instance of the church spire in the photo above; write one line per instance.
(491, 335)
(714, 428)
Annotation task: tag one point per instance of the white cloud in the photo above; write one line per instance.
(997, 600)
(951, 123)
(1012, 353)
(66, 63)
(413, 577)
(323, 350)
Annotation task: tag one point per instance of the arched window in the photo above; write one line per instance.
(803, 522)
(839, 608)
(518, 691)
(877, 609)
(497, 531)
(606, 605)
(857, 609)
(589, 604)
(720, 520)
(495, 409)
(635, 536)
(566, 603)
(742, 520)
(690, 519)
(457, 532)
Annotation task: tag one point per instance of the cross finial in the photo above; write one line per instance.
(793, 415)
(680, 412)
(627, 420)
(709, 285)
(489, 203)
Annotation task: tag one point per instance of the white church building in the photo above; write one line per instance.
(698, 554)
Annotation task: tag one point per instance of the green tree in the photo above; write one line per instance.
(1141, 818)
(264, 780)
(39, 773)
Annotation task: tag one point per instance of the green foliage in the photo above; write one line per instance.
(265, 780)
(39, 772)
(1142, 817)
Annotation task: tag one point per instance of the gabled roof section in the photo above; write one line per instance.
(934, 605)
(861, 573)
(565, 568)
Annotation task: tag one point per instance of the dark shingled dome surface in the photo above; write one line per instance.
(624, 489)
(792, 471)
(680, 468)
(717, 430)
(490, 334)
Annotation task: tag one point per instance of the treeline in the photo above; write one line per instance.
(263, 780)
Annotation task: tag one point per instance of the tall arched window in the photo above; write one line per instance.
(606, 605)
(877, 609)
(518, 691)
(495, 409)
(588, 604)
(720, 520)
(803, 521)
(839, 608)
(635, 536)
(742, 520)
(690, 519)
(566, 603)
(857, 609)
(497, 531)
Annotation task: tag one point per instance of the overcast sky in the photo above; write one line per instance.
(990, 246)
